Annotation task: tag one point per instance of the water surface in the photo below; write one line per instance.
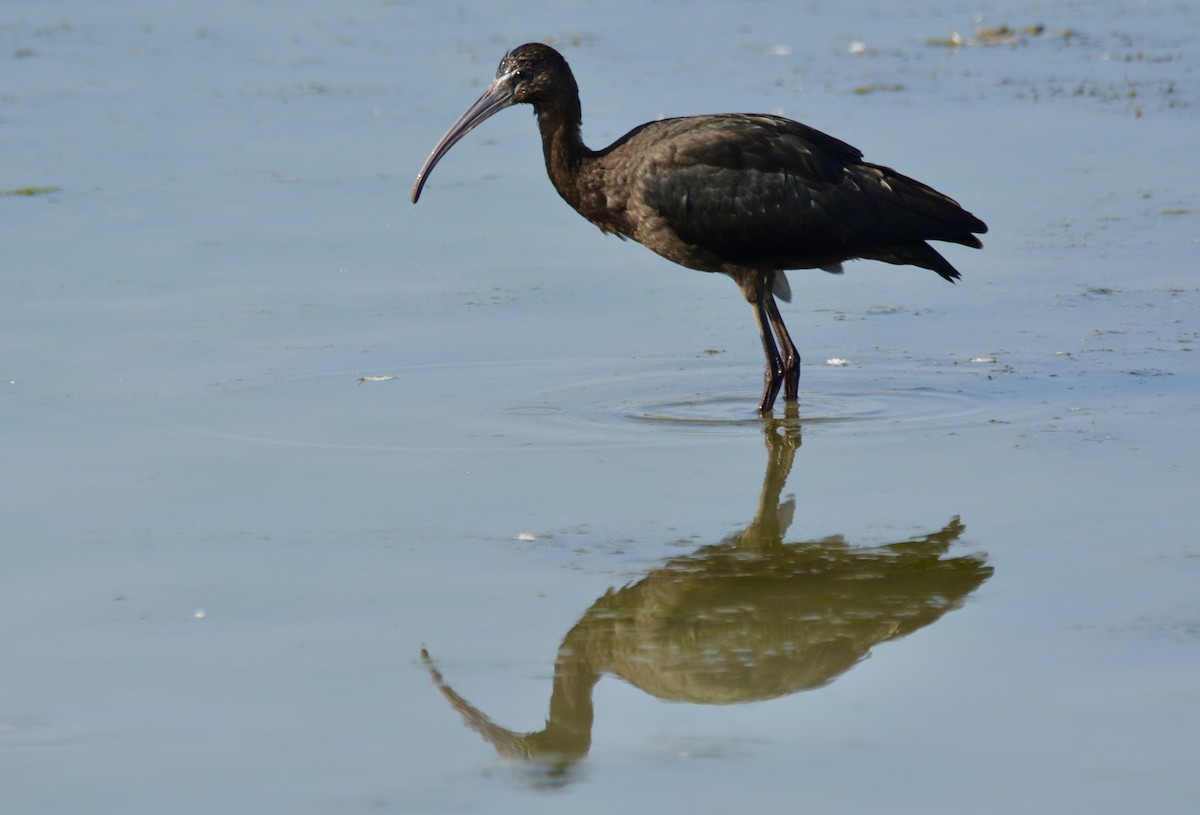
(270, 431)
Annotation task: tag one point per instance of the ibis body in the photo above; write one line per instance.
(747, 195)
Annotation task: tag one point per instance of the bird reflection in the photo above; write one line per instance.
(745, 619)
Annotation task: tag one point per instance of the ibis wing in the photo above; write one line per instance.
(764, 190)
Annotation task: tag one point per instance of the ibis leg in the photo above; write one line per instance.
(774, 375)
(788, 352)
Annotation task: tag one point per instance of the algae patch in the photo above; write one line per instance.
(30, 191)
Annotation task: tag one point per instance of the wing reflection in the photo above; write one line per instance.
(748, 618)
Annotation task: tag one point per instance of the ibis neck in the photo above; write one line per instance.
(563, 147)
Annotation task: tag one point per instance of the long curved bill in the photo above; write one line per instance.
(496, 98)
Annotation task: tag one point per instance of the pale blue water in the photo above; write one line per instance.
(224, 550)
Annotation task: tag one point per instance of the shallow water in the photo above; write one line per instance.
(271, 431)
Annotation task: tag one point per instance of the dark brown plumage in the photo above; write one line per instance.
(746, 195)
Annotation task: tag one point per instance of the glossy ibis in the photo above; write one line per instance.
(747, 195)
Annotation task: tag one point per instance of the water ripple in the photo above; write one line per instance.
(559, 403)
